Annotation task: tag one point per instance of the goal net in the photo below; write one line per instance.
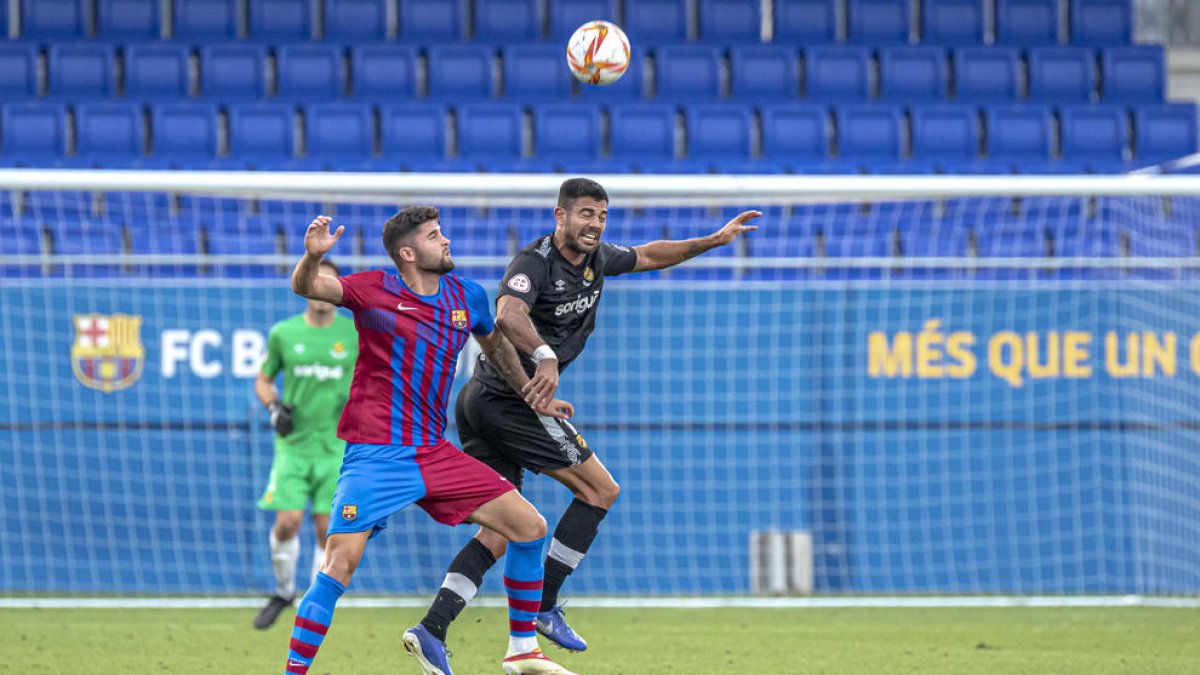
(896, 385)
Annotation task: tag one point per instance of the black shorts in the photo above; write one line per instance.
(503, 432)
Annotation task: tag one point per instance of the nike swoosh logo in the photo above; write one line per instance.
(401, 308)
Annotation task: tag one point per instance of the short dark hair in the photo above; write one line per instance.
(326, 262)
(403, 224)
(574, 188)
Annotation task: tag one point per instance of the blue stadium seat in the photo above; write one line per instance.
(3, 18)
(152, 235)
(656, 21)
(1094, 134)
(86, 238)
(413, 132)
(851, 241)
(806, 22)
(206, 19)
(795, 133)
(156, 71)
(129, 18)
(912, 73)
(987, 74)
(244, 243)
(507, 20)
(838, 73)
(688, 72)
(280, 19)
(109, 132)
(81, 70)
(952, 22)
(946, 134)
(384, 72)
(1091, 241)
(55, 18)
(1164, 132)
(719, 132)
(1027, 22)
(489, 132)
(460, 71)
(1009, 239)
(567, 15)
(1019, 133)
(21, 238)
(1061, 74)
(1169, 240)
(233, 72)
(933, 239)
(567, 132)
(1101, 22)
(536, 73)
(730, 21)
(1133, 74)
(185, 132)
(643, 132)
(310, 71)
(763, 73)
(870, 132)
(877, 22)
(261, 133)
(797, 242)
(432, 20)
(339, 132)
(351, 20)
(18, 71)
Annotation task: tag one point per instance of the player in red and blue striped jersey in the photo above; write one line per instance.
(411, 326)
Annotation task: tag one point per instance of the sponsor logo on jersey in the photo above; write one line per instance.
(318, 371)
(107, 354)
(401, 307)
(520, 283)
(338, 351)
(578, 305)
(349, 511)
(459, 318)
(588, 275)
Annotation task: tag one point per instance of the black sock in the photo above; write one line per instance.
(574, 535)
(462, 582)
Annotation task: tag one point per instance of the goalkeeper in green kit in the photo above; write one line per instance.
(315, 351)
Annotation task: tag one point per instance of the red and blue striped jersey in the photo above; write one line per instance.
(408, 346)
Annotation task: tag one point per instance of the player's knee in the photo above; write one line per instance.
(495, 543)
(608, 494)
(286, 526)
(339, 566)
(530, 528)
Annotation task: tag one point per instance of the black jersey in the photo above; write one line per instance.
(562, 298)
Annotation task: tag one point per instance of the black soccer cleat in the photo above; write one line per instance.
(268, 614)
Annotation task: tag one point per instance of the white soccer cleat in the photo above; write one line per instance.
(532, 663)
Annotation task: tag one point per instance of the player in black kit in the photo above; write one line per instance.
(547, 309)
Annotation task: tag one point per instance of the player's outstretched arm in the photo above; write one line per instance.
(307, 279)
(658, 255)
(512, 318)
(503, 357)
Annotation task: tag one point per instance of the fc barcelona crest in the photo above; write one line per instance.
(107, 354)
(459, 318)
(349, 511)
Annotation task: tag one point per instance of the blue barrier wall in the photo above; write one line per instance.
(979, 438)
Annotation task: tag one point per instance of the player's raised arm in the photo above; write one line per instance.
(512, 317)
(307, 279)
(658, 255)
(500, 353)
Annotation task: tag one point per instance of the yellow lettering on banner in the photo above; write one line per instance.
(958, 348)
(1075, 354)
(1041, 371)
(889, 361)
(1194, 349)
(1160, 353)
(1112, 355)
(929, 350)
(1007, 370)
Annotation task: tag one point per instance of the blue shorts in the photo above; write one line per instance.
(379, 480)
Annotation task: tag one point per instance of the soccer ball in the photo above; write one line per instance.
(598, 53)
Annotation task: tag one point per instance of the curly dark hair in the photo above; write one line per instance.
(400, 226)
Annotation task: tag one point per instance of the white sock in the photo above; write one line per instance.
(284, 555)
(318, 560)
(522, 645)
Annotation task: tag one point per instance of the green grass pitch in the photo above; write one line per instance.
(858, 641)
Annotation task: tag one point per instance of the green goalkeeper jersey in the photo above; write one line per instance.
(317, 364)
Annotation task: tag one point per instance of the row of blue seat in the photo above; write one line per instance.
(232, 72)
(798, 21)
(568, 136)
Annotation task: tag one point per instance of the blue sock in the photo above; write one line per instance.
(313, 617)
(523, 583)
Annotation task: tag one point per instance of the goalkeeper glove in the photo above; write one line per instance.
(281, 418)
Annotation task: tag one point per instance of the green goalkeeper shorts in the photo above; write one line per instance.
(295, 481)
